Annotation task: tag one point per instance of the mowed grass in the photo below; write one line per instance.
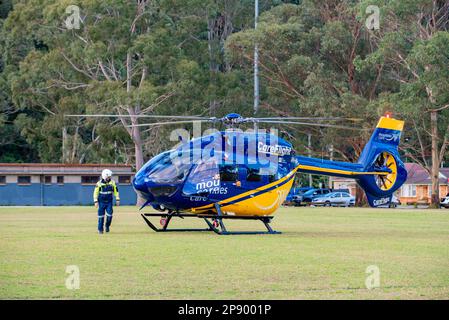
(323, 253)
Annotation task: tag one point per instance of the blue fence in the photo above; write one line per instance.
(37, 194)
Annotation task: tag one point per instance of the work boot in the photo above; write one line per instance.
(108, 223)
(100, 225)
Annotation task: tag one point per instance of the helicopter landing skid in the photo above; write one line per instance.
(168, 217)
(214, 222)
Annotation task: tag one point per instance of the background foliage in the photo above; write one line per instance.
(192, 57)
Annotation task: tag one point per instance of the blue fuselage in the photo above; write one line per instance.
(213, 168)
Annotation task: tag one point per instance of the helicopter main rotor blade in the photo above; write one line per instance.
(137, 116)
(209, 118)
(274, 122)
(313, 124)
(307, 118)
(166, 122)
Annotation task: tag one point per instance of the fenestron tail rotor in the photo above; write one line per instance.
(386, 160)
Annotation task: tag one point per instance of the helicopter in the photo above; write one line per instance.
(233, 174)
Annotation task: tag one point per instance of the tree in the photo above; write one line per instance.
(129, 58)
(308, 56)
(135, 57)
(124, 59)
(412, 48)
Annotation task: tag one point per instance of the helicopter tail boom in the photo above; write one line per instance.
(379, 171)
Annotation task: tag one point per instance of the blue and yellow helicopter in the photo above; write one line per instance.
(233, 174)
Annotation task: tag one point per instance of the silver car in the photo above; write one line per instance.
(334, 199)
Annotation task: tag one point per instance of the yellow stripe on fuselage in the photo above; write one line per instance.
(267, 203)
(263, 204)
(247, 193)
(390, 123)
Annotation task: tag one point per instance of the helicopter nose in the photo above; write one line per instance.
(140, 184)
(152, 191)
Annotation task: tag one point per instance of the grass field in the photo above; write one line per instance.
(322, 254)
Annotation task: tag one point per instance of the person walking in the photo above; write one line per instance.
(105, 190)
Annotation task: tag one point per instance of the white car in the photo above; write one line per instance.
(335, 199)
(395, 202)
(445, 202)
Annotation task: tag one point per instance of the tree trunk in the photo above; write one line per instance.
(360, 197)
(219, 28)
(138, 148)
(135, 131)
(435, 196)
(64, 144)
(74, 145)
(331, 158)
(309, 144)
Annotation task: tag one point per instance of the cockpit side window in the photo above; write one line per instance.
(207, 167)
(169, 169)
(204, 177)
(253, 175)
(271, 172)
(228, 173)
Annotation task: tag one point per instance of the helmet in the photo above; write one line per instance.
(106, 173)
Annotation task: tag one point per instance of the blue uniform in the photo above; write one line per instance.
(104, 193)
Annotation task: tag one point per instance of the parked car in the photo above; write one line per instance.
(302, 190)
(334, 199)
(306, 198)
(296, 200)
(395, 202)
(445, 202)
(295, 192)
(341, 190)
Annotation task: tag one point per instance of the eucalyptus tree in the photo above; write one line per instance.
(308, 54)
(122, 57)
(412, 50)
